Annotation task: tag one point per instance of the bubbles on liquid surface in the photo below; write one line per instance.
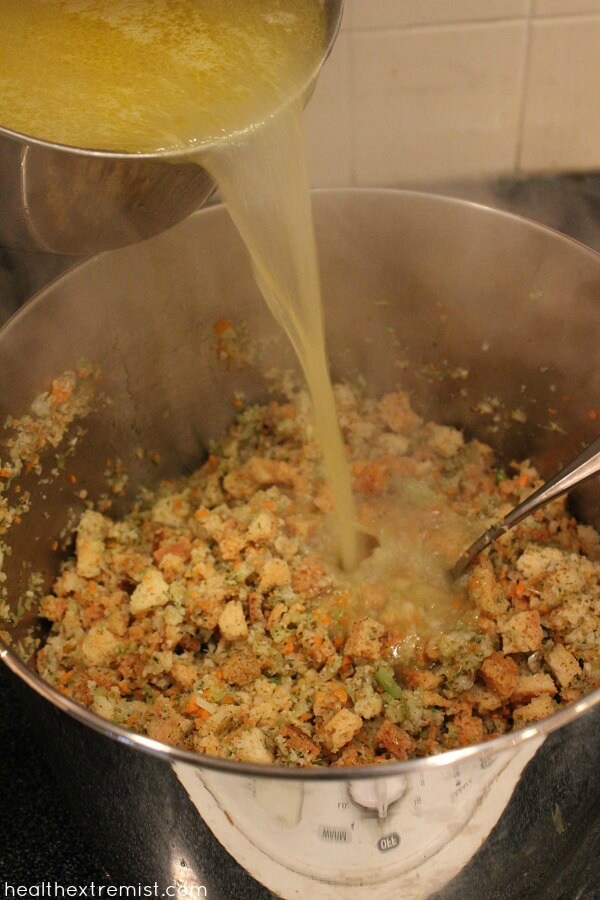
(151, 75)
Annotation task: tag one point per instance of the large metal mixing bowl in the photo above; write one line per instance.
(475, 305)
(70, 201)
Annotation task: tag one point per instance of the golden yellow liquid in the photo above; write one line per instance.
(151, 75)
(264, 183)
(405, 583)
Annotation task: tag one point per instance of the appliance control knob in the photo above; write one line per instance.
(378, 793)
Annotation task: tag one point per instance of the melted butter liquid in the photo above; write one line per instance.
(224, 77)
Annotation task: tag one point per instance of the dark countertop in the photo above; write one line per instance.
(40, 838)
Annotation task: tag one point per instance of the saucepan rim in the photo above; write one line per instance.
(333, 27)
(512, 740)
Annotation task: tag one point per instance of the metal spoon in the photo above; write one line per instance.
(584, 466)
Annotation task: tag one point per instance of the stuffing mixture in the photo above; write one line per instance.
(213, 616)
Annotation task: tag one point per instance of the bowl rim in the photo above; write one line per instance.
(512, 740)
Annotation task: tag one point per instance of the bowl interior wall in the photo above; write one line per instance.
(418, 291)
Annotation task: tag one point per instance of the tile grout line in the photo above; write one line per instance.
(352, 91)
(486, 23)
(524, 90)
(432, 26)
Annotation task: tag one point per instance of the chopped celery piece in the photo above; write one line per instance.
(386, 680)
(217, 693)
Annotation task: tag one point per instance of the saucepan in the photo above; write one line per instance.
(72, 201)
(478, 313)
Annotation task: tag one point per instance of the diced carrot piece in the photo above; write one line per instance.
(222, 325)
(341, 694)
(288, 646)
(346, 665)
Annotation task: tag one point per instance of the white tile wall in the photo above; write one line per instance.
(329, 125)
(561, 125)
(564, 7)
(437, 102)
(396, 13)
(424, 90)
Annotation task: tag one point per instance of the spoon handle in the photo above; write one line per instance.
(584, 466)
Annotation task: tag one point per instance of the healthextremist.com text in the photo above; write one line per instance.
(48, 890)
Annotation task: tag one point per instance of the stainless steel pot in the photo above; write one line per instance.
(69, 201)
(442, 287)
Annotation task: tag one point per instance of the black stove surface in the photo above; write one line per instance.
(41, 839)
